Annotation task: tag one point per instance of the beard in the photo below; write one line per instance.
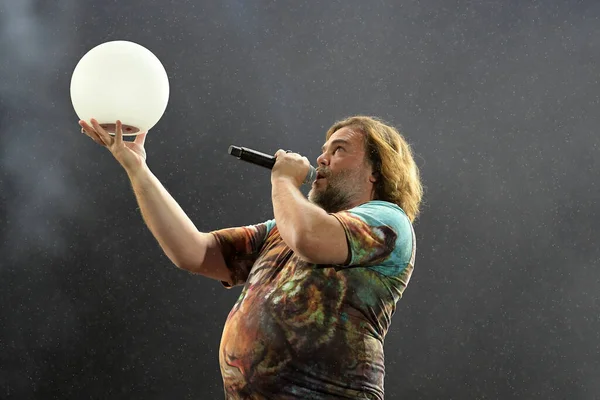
(337, 193)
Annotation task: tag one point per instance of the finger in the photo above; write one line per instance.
(279, 153)
(90, 132)
(102, 134)
(119, 133)
(140, 139)
(85, 127)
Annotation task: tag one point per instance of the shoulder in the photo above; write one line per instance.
(382, 214)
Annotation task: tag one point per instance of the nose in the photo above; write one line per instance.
(322, 159)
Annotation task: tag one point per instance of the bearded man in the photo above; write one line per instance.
(321, 280)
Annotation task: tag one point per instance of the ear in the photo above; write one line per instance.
(374, 177)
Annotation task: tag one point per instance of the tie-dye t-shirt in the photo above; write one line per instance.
(310, 331)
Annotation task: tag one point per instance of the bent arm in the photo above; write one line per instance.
(186, 247)
(315, 235)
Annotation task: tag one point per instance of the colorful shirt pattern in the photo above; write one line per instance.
(307, 331)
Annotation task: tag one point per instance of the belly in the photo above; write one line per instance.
(298, 333)
(261, 353)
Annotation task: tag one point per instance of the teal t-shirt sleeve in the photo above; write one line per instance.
(379, 236)
(240, 248)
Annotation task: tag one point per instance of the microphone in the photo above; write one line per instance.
(265, 160)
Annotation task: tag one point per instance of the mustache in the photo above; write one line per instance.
(324, 172)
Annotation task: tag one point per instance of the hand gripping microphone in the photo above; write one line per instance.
(265, 160)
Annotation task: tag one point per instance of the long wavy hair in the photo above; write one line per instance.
(390, 155)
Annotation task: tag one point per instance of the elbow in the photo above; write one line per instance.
(305, 248)
(331, 248)
(308, 245)
(191, 255)
(184, 263)
(185, 266)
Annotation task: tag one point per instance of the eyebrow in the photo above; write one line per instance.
(336, 141)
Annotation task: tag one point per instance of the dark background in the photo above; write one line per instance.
(499, 99)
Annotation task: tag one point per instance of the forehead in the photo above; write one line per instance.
(350, 135)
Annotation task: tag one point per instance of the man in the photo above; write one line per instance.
(321, 280)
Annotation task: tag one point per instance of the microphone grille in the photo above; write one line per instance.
(235, 151)
(311, 175)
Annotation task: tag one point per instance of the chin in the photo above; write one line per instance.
(314, 198)
(311, 197)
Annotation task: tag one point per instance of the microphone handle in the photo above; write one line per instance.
(265, 160)
(252, 156)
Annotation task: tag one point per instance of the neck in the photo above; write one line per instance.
(359, 201)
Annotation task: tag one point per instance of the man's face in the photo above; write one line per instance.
(343, 173)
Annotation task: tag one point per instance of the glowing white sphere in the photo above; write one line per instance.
(120, 80)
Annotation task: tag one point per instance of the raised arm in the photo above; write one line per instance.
(181, 241)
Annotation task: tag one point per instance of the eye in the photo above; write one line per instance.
(337, 148)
